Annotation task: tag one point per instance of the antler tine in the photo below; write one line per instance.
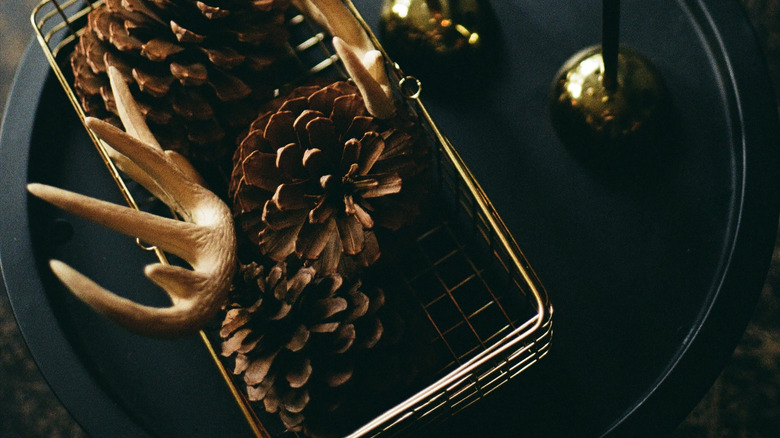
(135, 125)
(363, 62)
(338, 20)
(177, 320)
(127, 108)
(377, 101)
(168, 234)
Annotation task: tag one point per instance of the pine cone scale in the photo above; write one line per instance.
(293, 196)
(140, 8)
(323, 211)
(253, 166)
(278, 245)
(120, 38)
(279, 131)
(299, 125)
(382, 185)
(295, 401)
(277, 219)
(158, 50)
(349, 156)
(224, 57)
(322, 135)
(295, 105)
(299, 373)
(211, 12)
(312, 239)
(289, 159)
(315, 162)
(258, 369)
(298, 339)
(345, 109)
(156, 86)
(371, 148)
(322, 100)
(227, 87)
(351, 234)
(184, 35)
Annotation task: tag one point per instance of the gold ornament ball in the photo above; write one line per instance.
(453, 46)
(593, 118)
(438, 28)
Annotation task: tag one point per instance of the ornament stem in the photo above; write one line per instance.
(610, 34)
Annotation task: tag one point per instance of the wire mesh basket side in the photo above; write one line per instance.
(488, 312)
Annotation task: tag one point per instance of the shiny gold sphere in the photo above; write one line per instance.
(440, 27)
(594, 118)
(453, 46)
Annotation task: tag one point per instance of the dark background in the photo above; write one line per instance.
(743, 402)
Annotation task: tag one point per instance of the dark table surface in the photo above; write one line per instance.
(744, 401)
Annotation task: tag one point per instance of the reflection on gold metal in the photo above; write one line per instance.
(588, 115)
(448, 43)
(441, 26)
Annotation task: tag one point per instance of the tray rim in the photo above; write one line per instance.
(728, 309)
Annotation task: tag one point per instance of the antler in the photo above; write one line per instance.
(205, 239)
(363, 62)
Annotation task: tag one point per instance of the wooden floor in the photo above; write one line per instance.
(743, 402)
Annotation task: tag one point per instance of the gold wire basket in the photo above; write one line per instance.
(487, 310)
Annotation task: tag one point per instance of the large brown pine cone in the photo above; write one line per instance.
(199, 69)
(316, 174)
(295, 339)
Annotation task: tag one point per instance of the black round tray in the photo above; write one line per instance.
(653, 269)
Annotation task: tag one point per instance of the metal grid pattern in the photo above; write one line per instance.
(488, 313)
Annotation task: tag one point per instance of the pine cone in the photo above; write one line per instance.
(317, 173)
(200, 70)
(295, 339)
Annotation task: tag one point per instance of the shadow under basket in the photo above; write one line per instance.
(485, 313)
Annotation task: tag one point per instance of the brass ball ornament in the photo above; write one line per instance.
(450, 45)
(594, 115)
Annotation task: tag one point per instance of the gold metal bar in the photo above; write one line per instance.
(246, 409)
